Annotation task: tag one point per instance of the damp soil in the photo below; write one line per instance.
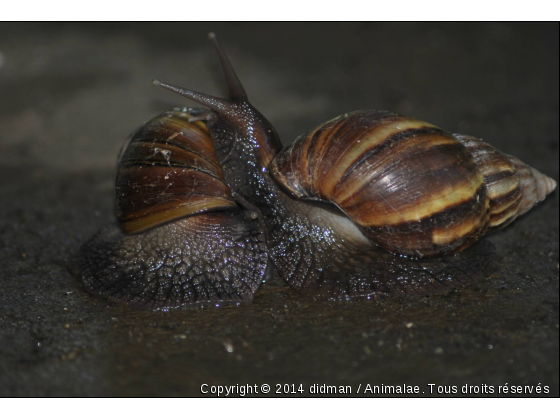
(71, 94)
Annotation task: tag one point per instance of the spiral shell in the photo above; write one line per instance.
(513, 187)
(411, 187)
(167, 171)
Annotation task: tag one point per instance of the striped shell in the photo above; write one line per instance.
(169, 170)
(512, 186)
(411, 187)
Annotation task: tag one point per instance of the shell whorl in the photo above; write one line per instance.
(513, 186)
(169, 170)
(413, 188)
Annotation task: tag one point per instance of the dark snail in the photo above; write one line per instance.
(184, 236)
(369, 202)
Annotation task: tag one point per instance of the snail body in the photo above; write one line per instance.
(369, 202)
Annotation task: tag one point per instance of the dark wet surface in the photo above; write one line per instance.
(70, 94)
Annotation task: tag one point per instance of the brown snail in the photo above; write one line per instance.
(369, 202)
(184, 236)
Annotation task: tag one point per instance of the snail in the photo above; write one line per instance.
(184, 237)
(367, 203)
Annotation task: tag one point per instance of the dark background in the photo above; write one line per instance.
(71, 93)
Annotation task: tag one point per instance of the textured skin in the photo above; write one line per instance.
(245, 143)
(323, 261)
(211, 258)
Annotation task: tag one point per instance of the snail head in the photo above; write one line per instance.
(234, 121)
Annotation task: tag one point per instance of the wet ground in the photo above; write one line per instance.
(69, 96)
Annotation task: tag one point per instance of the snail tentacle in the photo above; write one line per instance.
(236, 89)
(212, 102)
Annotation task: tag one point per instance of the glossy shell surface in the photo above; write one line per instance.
(413, 188)
(169, 170)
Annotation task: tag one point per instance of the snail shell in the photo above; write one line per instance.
(167, 171)
(412, 188)
(512, 186)
(183, 238)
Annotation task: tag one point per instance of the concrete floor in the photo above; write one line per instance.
(71, 93)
